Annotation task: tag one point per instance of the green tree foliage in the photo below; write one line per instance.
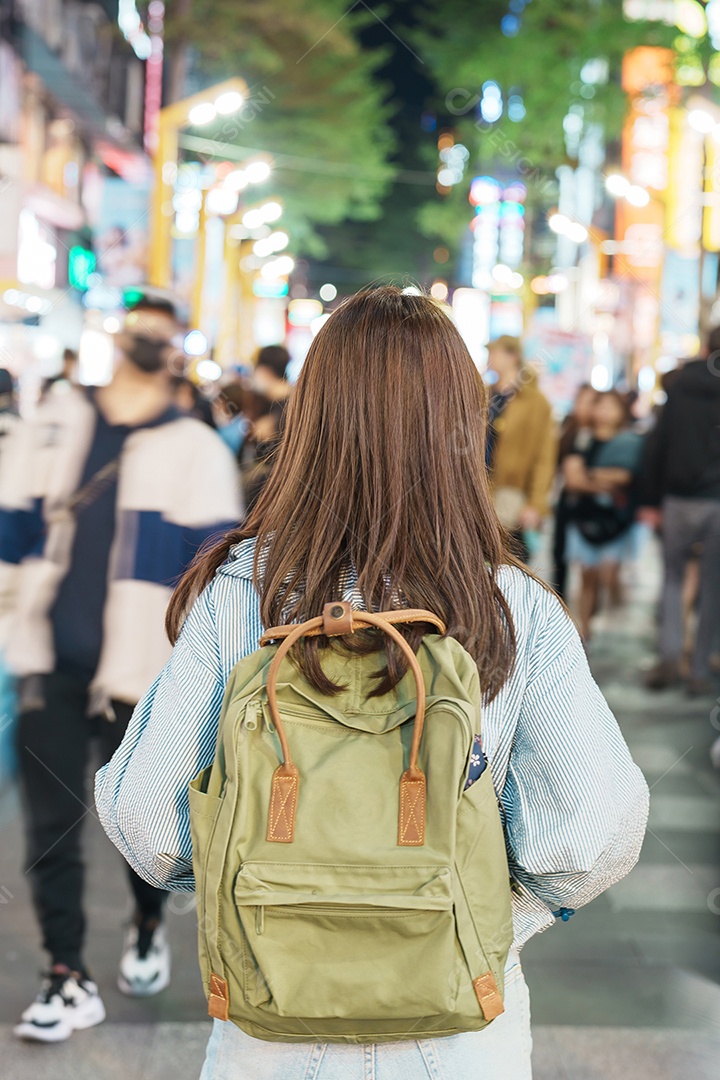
(392, 248)
(542, 62)
(316, 104)
(464, 45)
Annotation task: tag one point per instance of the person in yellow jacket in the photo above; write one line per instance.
(521, 444)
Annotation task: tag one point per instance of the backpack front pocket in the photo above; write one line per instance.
(357, 942)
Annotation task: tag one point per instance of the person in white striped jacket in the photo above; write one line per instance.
(106, 494)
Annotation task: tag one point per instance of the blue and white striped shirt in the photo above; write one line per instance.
(575, 804)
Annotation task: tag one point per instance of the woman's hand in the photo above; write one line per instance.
(530, 519)
(608, 480)
(264, 429)
(602, 481)
(575, 474)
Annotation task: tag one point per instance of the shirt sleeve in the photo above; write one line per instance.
(214, 479)
(576, 804)
(22, 526)
(142, 793)
(652, 468)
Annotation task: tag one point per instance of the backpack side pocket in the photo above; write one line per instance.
(204, 812)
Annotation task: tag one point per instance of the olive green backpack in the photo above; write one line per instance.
(349, 888)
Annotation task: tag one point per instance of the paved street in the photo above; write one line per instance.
(630, 987)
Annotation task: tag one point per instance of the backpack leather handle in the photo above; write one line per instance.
(340, 619)
(358, 622)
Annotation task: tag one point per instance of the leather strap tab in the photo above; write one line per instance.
(283, 804)
(218, 998)
(337, 619)
(488, 995)
(411, 824)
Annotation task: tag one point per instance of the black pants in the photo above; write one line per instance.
(54, 739)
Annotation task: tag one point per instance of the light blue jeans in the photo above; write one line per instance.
(500, 1052)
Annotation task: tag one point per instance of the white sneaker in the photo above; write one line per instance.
(145, 962)
(67, 1002)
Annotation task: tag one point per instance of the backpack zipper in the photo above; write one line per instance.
(339, 911)
(253, 714)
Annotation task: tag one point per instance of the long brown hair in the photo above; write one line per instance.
(381, 471)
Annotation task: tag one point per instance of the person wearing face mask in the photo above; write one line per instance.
(105, 497)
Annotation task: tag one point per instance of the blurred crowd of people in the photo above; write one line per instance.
(612, 477)
(107, 494)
